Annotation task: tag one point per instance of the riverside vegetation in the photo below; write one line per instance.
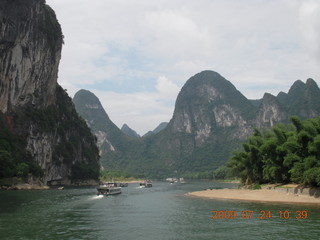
(282, 154)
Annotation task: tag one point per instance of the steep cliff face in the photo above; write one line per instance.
(30, 50)
(270, 112)
(208, 108)
(208, 102)
(89, 108)
(35, 107)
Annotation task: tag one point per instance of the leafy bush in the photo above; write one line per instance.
(255, 186)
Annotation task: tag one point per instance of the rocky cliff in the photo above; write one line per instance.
(210, 118)
(34, 107)
(30, 48)
(89, 108)
(271, 111)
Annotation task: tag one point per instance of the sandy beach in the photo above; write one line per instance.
(261, 195)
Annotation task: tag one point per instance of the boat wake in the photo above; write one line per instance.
(96, 197)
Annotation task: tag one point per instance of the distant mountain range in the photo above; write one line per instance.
(131, 133)
(210, 120)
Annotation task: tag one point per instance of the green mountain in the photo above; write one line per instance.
(116, 148)
(89, 108)
(303, 99)
(211, 119)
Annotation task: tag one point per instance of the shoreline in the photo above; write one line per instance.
(260, 195)
(25, 186)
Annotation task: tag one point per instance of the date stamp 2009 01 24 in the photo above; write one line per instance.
(262, 214)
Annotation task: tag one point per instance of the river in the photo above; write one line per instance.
(158, 213)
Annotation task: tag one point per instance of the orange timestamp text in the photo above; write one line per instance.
(262, 214)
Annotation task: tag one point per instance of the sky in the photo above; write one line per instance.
(135, 55)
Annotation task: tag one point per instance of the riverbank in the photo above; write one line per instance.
(32, 183)
(25, 186)
(261, 195)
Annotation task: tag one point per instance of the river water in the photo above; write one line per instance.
(161, 212)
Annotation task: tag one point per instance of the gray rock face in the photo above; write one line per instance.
(203, 106)
(111, 140)
(270, 112)
(30, 54)
(89, 107)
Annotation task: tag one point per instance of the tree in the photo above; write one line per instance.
(22, 169)
(6, 164)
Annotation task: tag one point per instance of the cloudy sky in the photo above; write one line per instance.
(135, 55)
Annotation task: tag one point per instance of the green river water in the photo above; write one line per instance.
(161, 212)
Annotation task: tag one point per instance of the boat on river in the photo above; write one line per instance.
(175, 180)
(109, 188)
(146, 183)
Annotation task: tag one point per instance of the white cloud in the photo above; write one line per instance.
(310, 25)
(166, 88)
(122, 47)
(142, 111)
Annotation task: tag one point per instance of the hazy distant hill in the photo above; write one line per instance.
(89, 107)
(211, 118)
(159, 128)
(128, 131)
(116, 148)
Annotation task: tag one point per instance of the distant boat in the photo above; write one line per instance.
(109, 188)
(146, 183)
(181, 180)
(123, 184)
(173, 180)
